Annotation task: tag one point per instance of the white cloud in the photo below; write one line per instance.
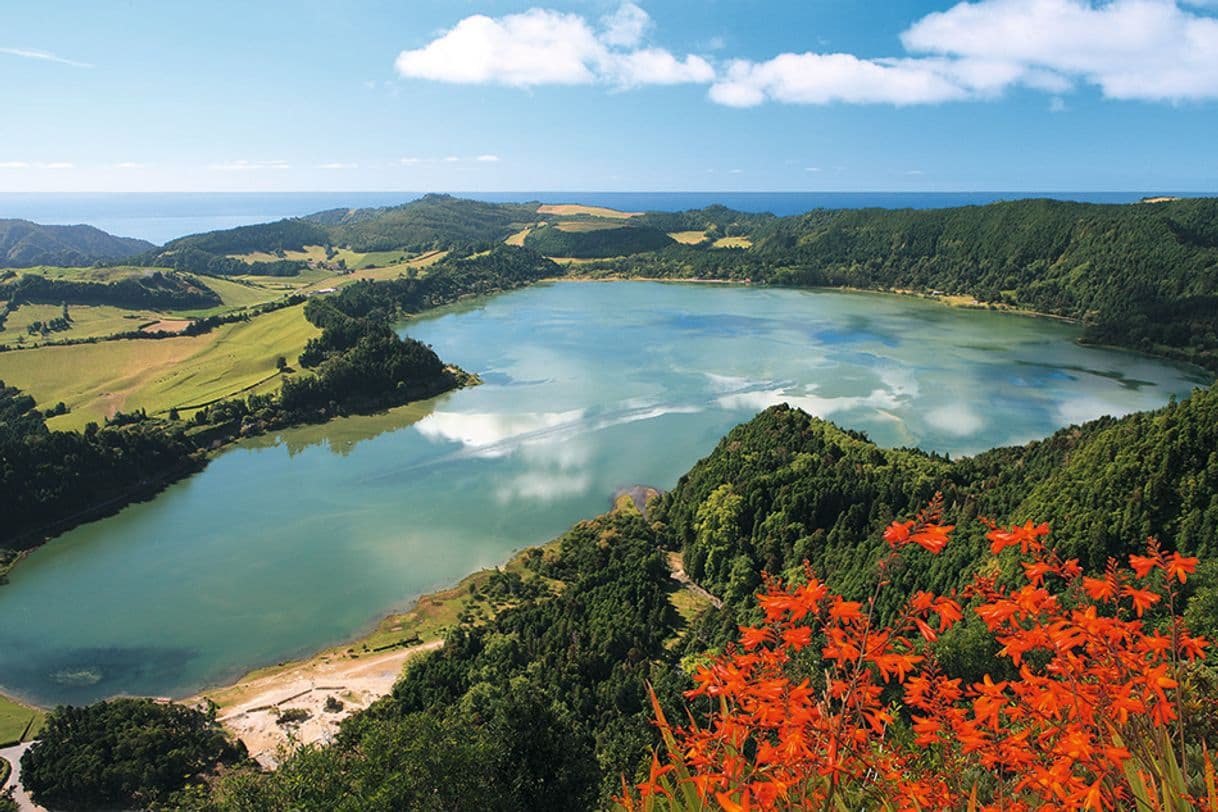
(14, 165)
(451, 159)
(130, 165)
(1132, 49)
(338, 165)
(812, 169)
(58, 165)
(44, 56)
(812, 78)
(487, 159)
(544, 47)
(626, 26)
(249, 166)
(1151, 50)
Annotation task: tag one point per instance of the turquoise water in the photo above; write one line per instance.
(285, 545)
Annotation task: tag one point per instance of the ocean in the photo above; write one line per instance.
(160, 217)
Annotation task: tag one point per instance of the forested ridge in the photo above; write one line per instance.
(24, 244)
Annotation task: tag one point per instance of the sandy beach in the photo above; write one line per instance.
(252, 708)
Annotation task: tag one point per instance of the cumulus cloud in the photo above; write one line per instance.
(336, 165)
(1151, 50)
(43, 56)
(14, 165)
(544, 47)
(626, 26)
(487, 159)
(1132, 49)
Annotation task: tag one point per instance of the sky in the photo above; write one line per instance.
(651, 95)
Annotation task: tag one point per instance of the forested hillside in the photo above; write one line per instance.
(1143, 275)
(24, 244)
(432, 221)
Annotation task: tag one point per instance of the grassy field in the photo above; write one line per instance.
(569, 210)
(88, 321)
(15, 720)
(517, 239)
(95, 380)
(732, 242)
(244, 292)
(688, 237)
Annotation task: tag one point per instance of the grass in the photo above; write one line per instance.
(18, 722)
(570, 209)
(517, 239)
(88, 321)
(241, 292)
(688, 237)
(732, 242)
(95, 380)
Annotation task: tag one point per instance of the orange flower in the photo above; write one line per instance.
(1180, 567)
(779, 736)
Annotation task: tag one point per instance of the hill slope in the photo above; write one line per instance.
(24, 244)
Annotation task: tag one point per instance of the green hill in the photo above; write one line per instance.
(24, 244)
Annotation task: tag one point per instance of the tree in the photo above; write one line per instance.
(124, 752)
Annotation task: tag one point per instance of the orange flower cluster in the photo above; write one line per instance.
(821, 707)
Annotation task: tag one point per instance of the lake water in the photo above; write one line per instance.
(285, 545)
(163, 216)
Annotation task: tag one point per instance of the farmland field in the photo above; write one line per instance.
(688, 237)
(570, 210)
(88, 321)
(96, 380)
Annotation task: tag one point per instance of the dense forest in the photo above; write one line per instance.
(24, 244)
(123, 754)
(1143, 276)
(539, 702)
(53, 479)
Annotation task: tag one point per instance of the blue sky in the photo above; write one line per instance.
(854, 95)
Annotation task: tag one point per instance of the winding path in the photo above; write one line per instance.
(13, 756)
